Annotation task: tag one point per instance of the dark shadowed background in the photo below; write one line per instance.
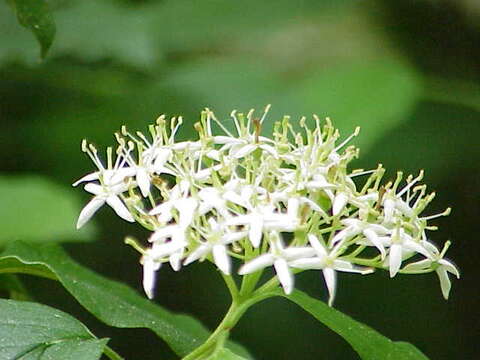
(407, 72)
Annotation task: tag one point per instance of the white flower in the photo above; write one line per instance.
(264, 217)
(401, 244)
(150, 267)
(177, 200)
(329, 264)
(370, 231)
(216, 243)
(280, 258)
(113, 182)
(169, 241)
(436, 262)
(104, 193)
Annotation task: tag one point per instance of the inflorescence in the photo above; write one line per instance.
(288, 201)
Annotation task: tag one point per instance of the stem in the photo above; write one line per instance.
(221, 333)
(231, 285)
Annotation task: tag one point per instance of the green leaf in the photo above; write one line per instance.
(34, 331)
(35, 15)
(35, 209)
(111, 302)
(225, 354)
(368, 343)
(375, 95)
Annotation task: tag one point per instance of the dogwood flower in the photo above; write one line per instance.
(281, 258)
(329, 263)
(287, 201)
(436, 262)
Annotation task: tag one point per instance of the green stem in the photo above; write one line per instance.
(231, 285)
(222, 332)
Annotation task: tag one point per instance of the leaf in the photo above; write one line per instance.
(113, 303)
(375, 95)
(225, 354)
(35, 15)
(34, 331)
(35, 209)
(368, 343)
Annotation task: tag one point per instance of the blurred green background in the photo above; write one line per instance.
(407, 72)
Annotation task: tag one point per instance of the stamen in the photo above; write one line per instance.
(444, 213)
(355, 133)
(265, 112)
(219, 123)
(411, 183)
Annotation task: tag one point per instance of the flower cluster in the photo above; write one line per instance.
(289, 202)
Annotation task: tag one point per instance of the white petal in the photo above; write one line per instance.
(449, 267)
(225, 140)
(164, 210)
(270, 149)
(395, 259)
(229, 238)
(118, 176)
(256, 264)
(256, 229)
(166, 249)
(418, 266)
(342, 265)
(319, 248)
(176, 260)
(284, 275)
(239, 152)
(143, 181)
(234, 198)
(120, 208)
(89, 177)
(221, 259)
(88, 211)
(186, 208)
(149, 269)
(330, 280)
(292, 208)
(388, 207)
(445, 283)
(339, 203)
(198, 253)
(413, 245)
(308, 263)
(94, 189)
(346, 233)
(293, 253)
(374, 239)
(161, 157)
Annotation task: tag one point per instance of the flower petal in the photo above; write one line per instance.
(395, 259)
(88, 211)
(198, 253)
(284, 275)
(119, 207)
(256, 264)
(149, 269)
(143, 181)
(339, 203)
(89, 177)
(94, 189)
(221, 259)
(445, 283)
(330, 280)
(256, 229)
